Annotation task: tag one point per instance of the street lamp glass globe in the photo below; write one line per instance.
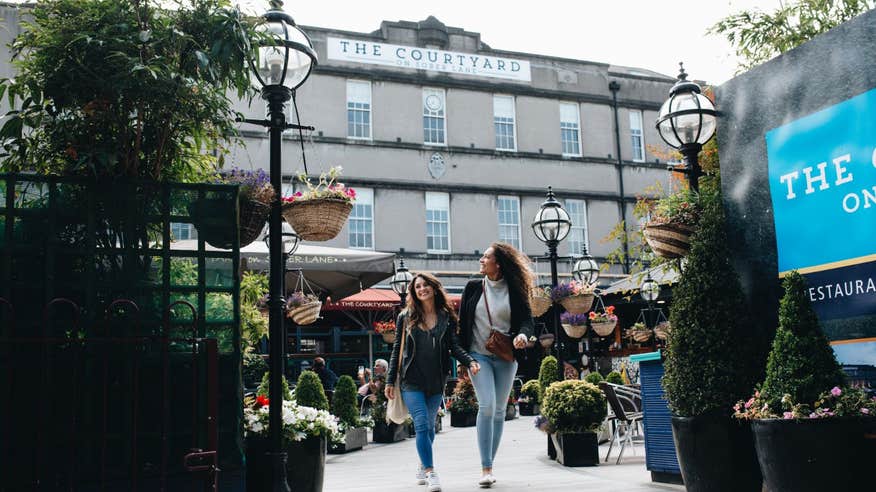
(650, 290)
(401, 279)
(586, 270)
(285, 55)
(290, 242)
(551, 223)
(687, 117)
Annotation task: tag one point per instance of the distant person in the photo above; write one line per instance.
(427, 327)
(500, 302)
(326, 375)
(374, 384)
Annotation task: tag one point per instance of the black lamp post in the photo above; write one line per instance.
(285, 59)
(400, 282)
(686, 122)
(551, 225)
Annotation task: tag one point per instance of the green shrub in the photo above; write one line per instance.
(801, 362)
(254, 367)
(594, 378)
(574, 406)
(547, 374)
(309, 392)
(531, 391)
(264, 387)
(614, 377)
(344, 403)
(713, 356)
(464, 399)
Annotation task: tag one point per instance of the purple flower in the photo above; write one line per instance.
(836, 391)
(573, 319)
(788, 415)
(865, 411)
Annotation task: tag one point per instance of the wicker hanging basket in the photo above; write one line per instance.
(253, 215)
(639, 335)
(578, 304)
(318, 219)
(540, 305)
(388, 337)
(574, 331)
(661, 331)
(669, 240)
(546, 340)
(305, 314)
(604, 328)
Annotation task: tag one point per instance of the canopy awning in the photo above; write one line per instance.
(367, 300)
(663, 274)
(333, 272)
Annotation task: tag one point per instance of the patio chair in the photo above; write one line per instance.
(620, 399)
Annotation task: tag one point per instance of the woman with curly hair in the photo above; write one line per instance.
(497, 303)
(428, 327)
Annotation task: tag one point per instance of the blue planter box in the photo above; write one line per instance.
(660, 457)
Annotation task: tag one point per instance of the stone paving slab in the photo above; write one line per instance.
(521, 464)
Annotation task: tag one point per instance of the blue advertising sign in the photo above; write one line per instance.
(822, 175)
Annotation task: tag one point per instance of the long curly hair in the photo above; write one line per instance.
(414, 305)
(514, 267)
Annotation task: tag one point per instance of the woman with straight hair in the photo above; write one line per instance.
(428, 328)
(494, 313)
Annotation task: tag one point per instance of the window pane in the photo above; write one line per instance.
(577, 238)
(361, 222)
(636, 140)
(358, 109)
(438, 222)
(433, 116)
(503, 122)
(509, 220)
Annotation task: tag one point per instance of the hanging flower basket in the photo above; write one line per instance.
(577, 304)
(639, 333)
(546, 339)
(318, 219)
(574, 331)
(576, 297)
(210, 217)
(604, 328)
(386, 329)
(575, 325)
(305, 314)
(253, 215)
(603, 323)
(540, 304)
(388, 337)
(670, 239)
(661, 331)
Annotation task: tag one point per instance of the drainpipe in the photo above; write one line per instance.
(614, 86)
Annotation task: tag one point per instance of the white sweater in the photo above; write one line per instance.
(500, 309)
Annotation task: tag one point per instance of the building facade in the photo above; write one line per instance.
(451, 144)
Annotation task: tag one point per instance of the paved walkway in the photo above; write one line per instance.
(522, 464)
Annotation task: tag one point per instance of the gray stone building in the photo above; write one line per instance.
(451, 144)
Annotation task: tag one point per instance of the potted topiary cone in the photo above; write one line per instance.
(811, 431)
(575, 409)
(305, 463)
(548, 373)
(710, 360)
(346, 409)
(530, 395)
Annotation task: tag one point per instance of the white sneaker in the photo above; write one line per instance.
(433, 482)
(421, 475)
(487, 481)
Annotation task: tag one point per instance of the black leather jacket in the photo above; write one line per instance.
(521, 315)
(448, 343)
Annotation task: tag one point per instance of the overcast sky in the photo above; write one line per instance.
(651, 34)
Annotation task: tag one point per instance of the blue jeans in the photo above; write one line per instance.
(492, 386)
(424, 411)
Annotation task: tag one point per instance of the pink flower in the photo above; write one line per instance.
(737, 407)
(836, 391)
(757, 394)
(788, 415)
(297, 193)
(813, 415)
(865, 411)
(749, 403)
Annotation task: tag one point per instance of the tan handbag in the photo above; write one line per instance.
(498, 343)
(396, 410)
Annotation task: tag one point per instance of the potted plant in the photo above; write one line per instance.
(547, 375)
(673, 220)
(614, 377)
(463, 405)
(594, 378)
(576, 298)
(383, 431)
(713, 356)
(603, 323)
(306, 431)
(575, 325)
(303, 308)
(639, 332)
(386, 329)
(809, 428)
(546, 340)
(511, 407)
(345, 407)
(574, 410)
(540, 301)
(530, 395)
(320, 212)
(254, 368)
(254, 201)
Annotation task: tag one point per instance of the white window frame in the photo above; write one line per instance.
(512, 116)
(440, 202)
(577, 225)
(436, 114)
(636, 131)
(575, 126)
(364, 196)
(351, 101)
(516, 199)
(192, 231)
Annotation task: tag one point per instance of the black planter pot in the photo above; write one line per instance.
(463, 419)
(305, 465)
(716, 454)
(576, 449)
(510, 412)
(552, 450)
(816, 454)
(354, 440)
(388, 433)
(528, 409)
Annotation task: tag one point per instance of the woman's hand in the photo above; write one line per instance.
(389, 391)
(474, 368)
(520, 341)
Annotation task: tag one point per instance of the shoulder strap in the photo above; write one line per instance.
(401, 350)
